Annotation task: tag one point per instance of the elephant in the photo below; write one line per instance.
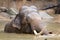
(27, 21)
(33, 17)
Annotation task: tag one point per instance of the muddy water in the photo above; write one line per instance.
(54, 27)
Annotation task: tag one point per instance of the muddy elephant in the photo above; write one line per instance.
(27, 21)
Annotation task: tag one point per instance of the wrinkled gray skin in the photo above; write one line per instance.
(27, 21)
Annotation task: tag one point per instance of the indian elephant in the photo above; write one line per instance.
(27, 21)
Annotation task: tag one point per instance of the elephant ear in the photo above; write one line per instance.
(16, 22)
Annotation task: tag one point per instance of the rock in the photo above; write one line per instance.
(12, 11)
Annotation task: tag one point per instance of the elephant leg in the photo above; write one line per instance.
(44, 32)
